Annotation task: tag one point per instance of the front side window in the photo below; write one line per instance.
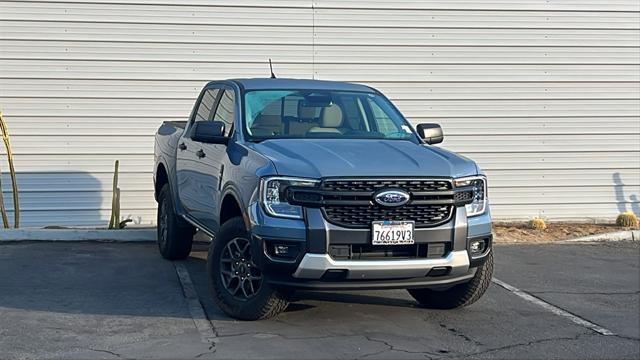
(225, 111)
(382, 120)
(271, 114)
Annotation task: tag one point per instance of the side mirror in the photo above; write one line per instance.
(210, 132)
(430, 133)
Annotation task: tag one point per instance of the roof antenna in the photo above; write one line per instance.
(273, 76)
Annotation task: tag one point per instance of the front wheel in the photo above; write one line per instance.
(459, 295)
(238, 285)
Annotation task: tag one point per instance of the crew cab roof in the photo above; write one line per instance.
(302, 84)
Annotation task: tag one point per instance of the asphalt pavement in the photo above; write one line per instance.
(114, 300)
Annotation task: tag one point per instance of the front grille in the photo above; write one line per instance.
(364, 185)
(348, 202)
(362, 216)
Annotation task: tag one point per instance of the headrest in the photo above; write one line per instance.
(306, 113)
(332, 116)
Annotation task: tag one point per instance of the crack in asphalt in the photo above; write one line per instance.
(459, 333)
(204, 353)
(391, 347)
(626, 337)
(107, 352)
(528, 343)
(258, 333)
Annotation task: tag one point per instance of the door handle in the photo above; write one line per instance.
(182, 146)
(200, 154)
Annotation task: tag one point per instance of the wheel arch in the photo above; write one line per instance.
(231, 207)
(161, 178)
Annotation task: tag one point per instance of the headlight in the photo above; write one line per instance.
(479, 185)
(273, 195)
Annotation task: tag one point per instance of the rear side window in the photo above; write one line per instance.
(225, 111)
(205, 108)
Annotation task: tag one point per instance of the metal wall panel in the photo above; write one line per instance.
(545, 95)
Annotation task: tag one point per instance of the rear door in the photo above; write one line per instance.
(193, 174)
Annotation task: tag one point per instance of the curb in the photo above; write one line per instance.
(125, 235)
(627, 235)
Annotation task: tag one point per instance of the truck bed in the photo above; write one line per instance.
(166, 141)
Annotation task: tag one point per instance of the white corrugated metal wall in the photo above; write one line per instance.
(544, 94)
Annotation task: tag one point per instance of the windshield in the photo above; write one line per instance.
(299, 114)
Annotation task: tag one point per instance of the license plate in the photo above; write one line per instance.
(392, 233)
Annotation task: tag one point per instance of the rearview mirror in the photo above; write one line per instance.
(316, 101)
(210, 132)
(430, 133)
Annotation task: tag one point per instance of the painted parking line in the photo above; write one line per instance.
(552, 308)
(202, 323)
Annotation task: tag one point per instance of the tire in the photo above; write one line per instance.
(460, 295)
(175, 236)
(238, 286)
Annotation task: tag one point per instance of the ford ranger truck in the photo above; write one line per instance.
(306, 184)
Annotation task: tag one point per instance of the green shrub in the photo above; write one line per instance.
(627, 219)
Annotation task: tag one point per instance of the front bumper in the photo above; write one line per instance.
(314, 267)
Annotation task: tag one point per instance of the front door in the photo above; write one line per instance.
(213, 157)
(194, 174)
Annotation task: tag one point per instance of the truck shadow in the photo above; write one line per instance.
(115, 279)
(87, 278)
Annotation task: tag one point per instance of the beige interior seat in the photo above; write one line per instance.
(331, 119)
(306, 120)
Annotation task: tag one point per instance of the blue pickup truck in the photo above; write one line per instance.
(307, 184)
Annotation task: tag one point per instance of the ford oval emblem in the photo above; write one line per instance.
(392, 198)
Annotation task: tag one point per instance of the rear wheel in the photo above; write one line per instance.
(459, 295)
(238, 285)
(175, 236)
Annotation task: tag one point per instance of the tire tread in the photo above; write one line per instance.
(179, 234)
(269, 304)
(460, 295)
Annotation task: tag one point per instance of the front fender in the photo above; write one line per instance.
(233, 190)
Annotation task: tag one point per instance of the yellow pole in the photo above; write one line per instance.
(3, 210)
(14, 183)
(117, 215)
(113, 222)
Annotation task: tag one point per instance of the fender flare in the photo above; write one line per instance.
(230, 190)
(177, 206)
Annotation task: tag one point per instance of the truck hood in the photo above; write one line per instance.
(318, 158)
